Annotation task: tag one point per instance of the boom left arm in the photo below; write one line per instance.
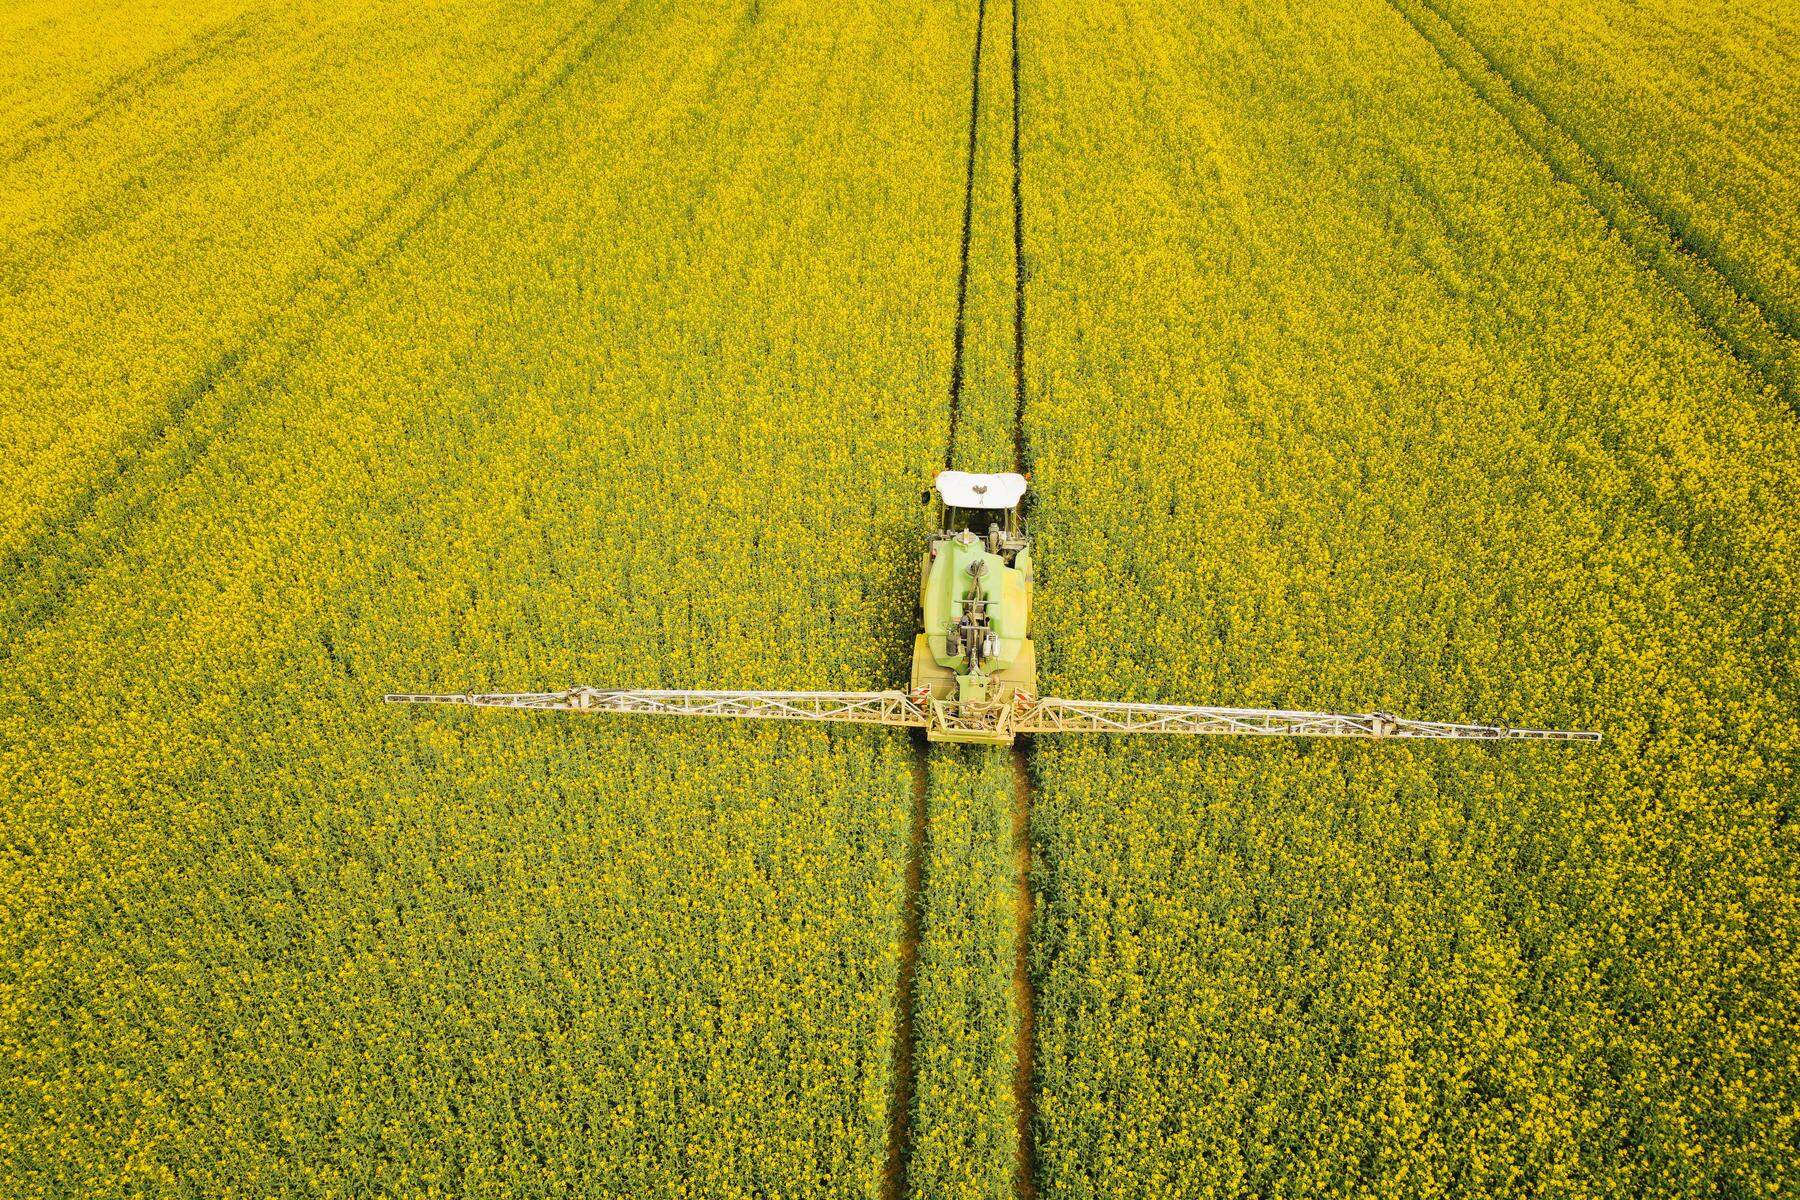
(863, 708)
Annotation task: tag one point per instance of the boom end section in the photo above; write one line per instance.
(1053, 715)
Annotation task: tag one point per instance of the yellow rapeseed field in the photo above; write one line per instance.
(1692, 104)
(580, 418)
(1343, 398)
(1433, 356)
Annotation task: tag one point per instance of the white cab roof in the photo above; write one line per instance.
(960, 489)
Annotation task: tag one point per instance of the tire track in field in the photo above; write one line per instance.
(900, 1104)
(51, 565)
(1019, 269)
(1024, 994)
(147, 176)
(1728, 307)
(160, 71)
(960, 335)
(895, 1182)
(1024, 1172)
(148, 181)
(1672, 225)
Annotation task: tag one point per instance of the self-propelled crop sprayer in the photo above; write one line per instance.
(974, 672)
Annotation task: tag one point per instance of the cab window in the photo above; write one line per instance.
(976, 520)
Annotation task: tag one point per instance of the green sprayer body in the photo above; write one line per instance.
(973, 655)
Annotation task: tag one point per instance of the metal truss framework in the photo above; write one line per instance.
(998, 721)
(861, 708)
(1053, 715)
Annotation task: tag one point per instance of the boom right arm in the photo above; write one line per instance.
(1053, 715)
